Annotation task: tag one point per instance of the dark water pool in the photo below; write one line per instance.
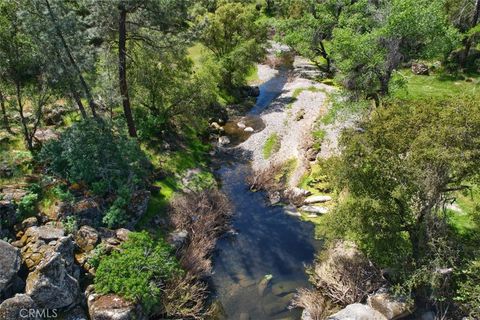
(257, 270)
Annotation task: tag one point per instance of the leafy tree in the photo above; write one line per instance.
(398, 174)
(308, 31)
(135, 21)
(22, 70)
(373, 38)
(465, 15)
(139, 270)
(62, 36)
(236, 36)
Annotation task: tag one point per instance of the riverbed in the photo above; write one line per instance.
(258, 268)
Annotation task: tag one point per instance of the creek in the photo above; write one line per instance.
(258, 268)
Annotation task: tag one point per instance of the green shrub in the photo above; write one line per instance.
(27, 206)
(139, 270)
(93, 150)
(70, 225)
(272, 145)
(468, 293)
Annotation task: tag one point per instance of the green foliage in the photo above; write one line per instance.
(367, 50)
(70, 225)
(27, 205)
(272, 145)
(94, 153)
(139, 270)
(468, 293)
(396, 175)
(236, 35)
(116, 215)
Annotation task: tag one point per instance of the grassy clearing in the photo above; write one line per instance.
(436, 86)
(463, 221)
(272, 145)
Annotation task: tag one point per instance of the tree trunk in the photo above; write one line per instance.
(78, 100)
(122, 71)
(26, 133)
(6, 124)
(86, 88)
(327, 58)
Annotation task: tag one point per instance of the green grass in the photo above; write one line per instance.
(463, 221)
(435, 86)
(341, 106)
(252, 76)
(272, 145)
(318, 137)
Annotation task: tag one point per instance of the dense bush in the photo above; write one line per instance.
(93, 152)
(139, 270)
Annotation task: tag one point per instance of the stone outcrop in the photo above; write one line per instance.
(10, 262)
(50, 285)
(317, 199)
(86, 238)
(420, 69)
(389, 306)
(15, 308)
(113, 307)
(357, 311)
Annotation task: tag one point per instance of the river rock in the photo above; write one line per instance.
(178, 238)
(241, 125)
(14, 308)
(291, 210)
(50, 285)
(264, 283)
(10, 262)
(122, 234)
(317, 199)
(314, 209)
(13, 193)
(113, 307)
(306, 315)
(249, 129)
(223, 141)
(274, 197)
(389, 306)
(357, 311)
(86, 238)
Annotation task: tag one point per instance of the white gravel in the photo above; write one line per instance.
(280, 119)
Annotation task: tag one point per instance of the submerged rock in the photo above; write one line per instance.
(291, 210)
(249, 129)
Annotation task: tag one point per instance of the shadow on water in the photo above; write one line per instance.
(257, 270)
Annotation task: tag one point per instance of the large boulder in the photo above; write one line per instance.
(50, 285)
(357, 311)
(18, 307)
(38, 241)
(86, 238)
(420, 69)
(113, 307)
(392, 308)
(10, 262)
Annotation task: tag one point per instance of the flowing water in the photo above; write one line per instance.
(257, 270)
